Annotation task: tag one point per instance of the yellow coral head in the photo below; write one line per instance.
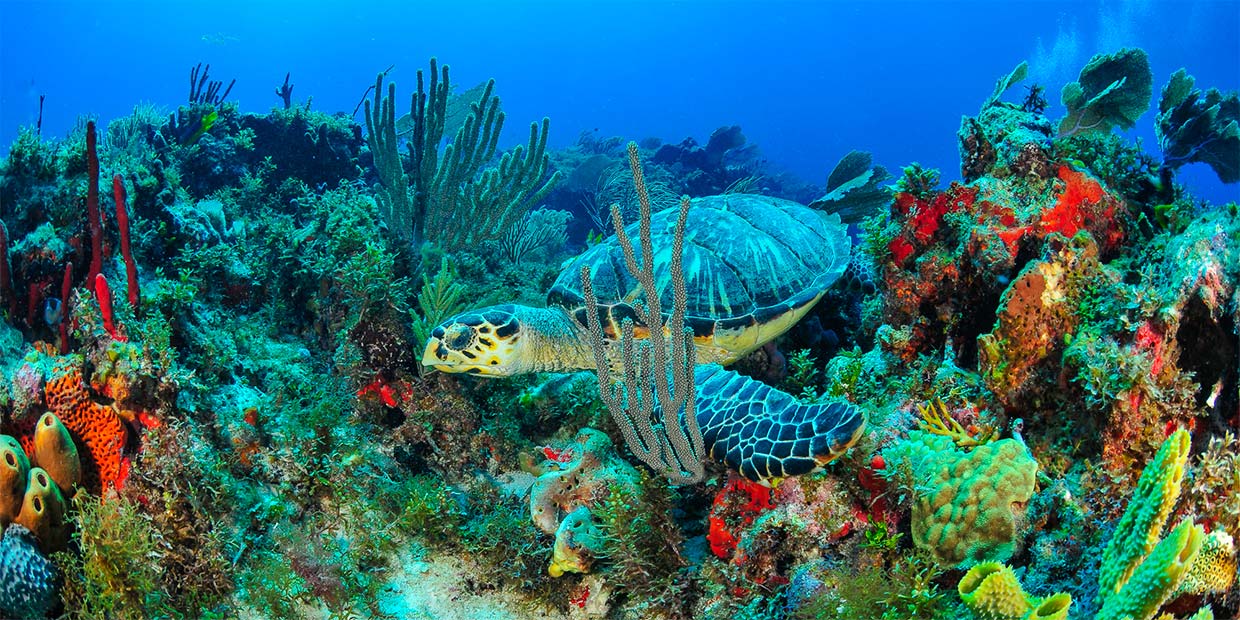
(480, 342)
(1052, 608)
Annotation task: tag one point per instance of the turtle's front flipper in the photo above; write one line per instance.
(766, 434)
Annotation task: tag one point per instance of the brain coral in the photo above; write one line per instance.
(967, 506)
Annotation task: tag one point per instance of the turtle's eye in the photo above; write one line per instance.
(458, 336)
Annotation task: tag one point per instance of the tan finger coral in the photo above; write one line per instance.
(14, 469)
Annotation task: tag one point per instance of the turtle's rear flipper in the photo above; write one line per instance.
(766, 434)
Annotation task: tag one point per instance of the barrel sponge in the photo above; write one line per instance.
(27, 577)
(14, 469)
(968, 506)
(56, 453)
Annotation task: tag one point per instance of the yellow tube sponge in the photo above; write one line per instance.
(56, 453)
(43, 512)
(1053, 607)
(14, 469)
(991, 591)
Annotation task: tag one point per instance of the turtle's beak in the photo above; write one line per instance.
(435, 356)
(439, 356)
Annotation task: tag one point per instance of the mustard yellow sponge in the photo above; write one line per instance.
(56, 453)
(1214, 568)
(14, 470)
(967, 506)
(991, 591)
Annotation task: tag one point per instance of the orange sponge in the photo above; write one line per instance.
(96, 429)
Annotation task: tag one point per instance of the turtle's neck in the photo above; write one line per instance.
(554, 342)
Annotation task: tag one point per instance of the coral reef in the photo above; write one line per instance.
(578, 476)
(228, 342)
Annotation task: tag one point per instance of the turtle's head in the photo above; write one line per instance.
(483, 342)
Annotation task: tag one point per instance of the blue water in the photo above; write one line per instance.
(807, 81)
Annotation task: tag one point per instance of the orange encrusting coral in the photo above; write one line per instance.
(735, 505)
(94, 427)
(1066, 217)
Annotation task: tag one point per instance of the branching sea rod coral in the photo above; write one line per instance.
(449, 198)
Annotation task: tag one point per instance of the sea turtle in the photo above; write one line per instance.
(753, 266)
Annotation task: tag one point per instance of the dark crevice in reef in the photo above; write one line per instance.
(1210, 350)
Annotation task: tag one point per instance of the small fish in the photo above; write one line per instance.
(53, 311)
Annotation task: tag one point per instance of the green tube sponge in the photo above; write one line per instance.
(1156, 577)
(992, 592)
(1140, 527)
(14, 469)
(56, 453)
(43, 511)
(1052, 608)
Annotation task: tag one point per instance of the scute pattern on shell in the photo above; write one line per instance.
(744, 256)
(766, 434)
